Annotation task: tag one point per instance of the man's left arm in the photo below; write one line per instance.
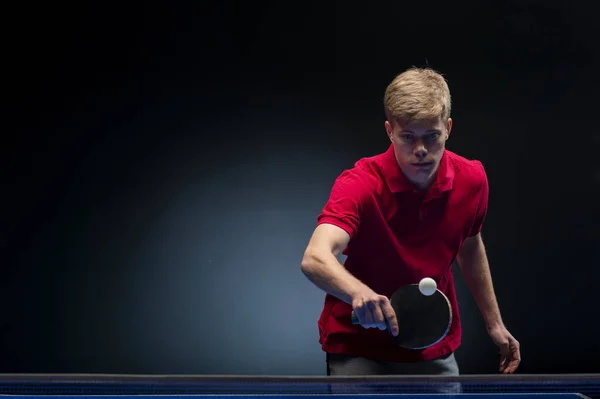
(473, 262)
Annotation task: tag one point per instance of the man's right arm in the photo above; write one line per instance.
(321, 267)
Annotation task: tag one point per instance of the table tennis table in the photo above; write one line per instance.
(100, 386)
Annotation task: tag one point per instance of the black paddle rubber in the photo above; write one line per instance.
(423, 321)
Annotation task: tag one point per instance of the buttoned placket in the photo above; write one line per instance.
(423, 199)
(422, 210)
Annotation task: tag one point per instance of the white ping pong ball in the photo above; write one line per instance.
(427, 286)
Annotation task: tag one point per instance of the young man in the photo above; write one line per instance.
(399, 216)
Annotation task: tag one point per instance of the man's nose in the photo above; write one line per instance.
(420, 152)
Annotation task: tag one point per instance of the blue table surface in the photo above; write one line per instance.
(317, 396)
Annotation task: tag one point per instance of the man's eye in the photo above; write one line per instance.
(432, 136)
(407, 137)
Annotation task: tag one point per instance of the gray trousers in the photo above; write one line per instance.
(344, 365)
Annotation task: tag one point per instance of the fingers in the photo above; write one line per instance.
(370, 320)
(511, 357)
(503, 364)
(509, 365)
(378, 318)
(515, 358)
(390, 317)
(364, 314)
(373, 316)
(376, 312)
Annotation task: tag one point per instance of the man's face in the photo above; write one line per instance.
(419, 147)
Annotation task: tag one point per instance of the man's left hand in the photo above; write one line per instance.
(510, 353)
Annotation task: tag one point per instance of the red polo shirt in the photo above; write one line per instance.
(399, 236)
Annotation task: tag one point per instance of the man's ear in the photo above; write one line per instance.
(448, 127)
(389, 130)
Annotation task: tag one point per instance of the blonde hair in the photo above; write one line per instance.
(417, 94)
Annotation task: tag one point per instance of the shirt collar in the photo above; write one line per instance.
(398, 182)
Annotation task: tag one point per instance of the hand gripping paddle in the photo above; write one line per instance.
(423, 320)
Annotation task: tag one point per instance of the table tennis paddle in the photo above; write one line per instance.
(423, 320)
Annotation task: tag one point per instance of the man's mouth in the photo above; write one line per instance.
(422, 164)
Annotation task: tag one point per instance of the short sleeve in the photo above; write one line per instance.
(347, 197)
(482, 205)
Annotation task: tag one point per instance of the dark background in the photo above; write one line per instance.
(164, 166)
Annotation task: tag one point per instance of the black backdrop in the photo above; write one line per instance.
(164, 166)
